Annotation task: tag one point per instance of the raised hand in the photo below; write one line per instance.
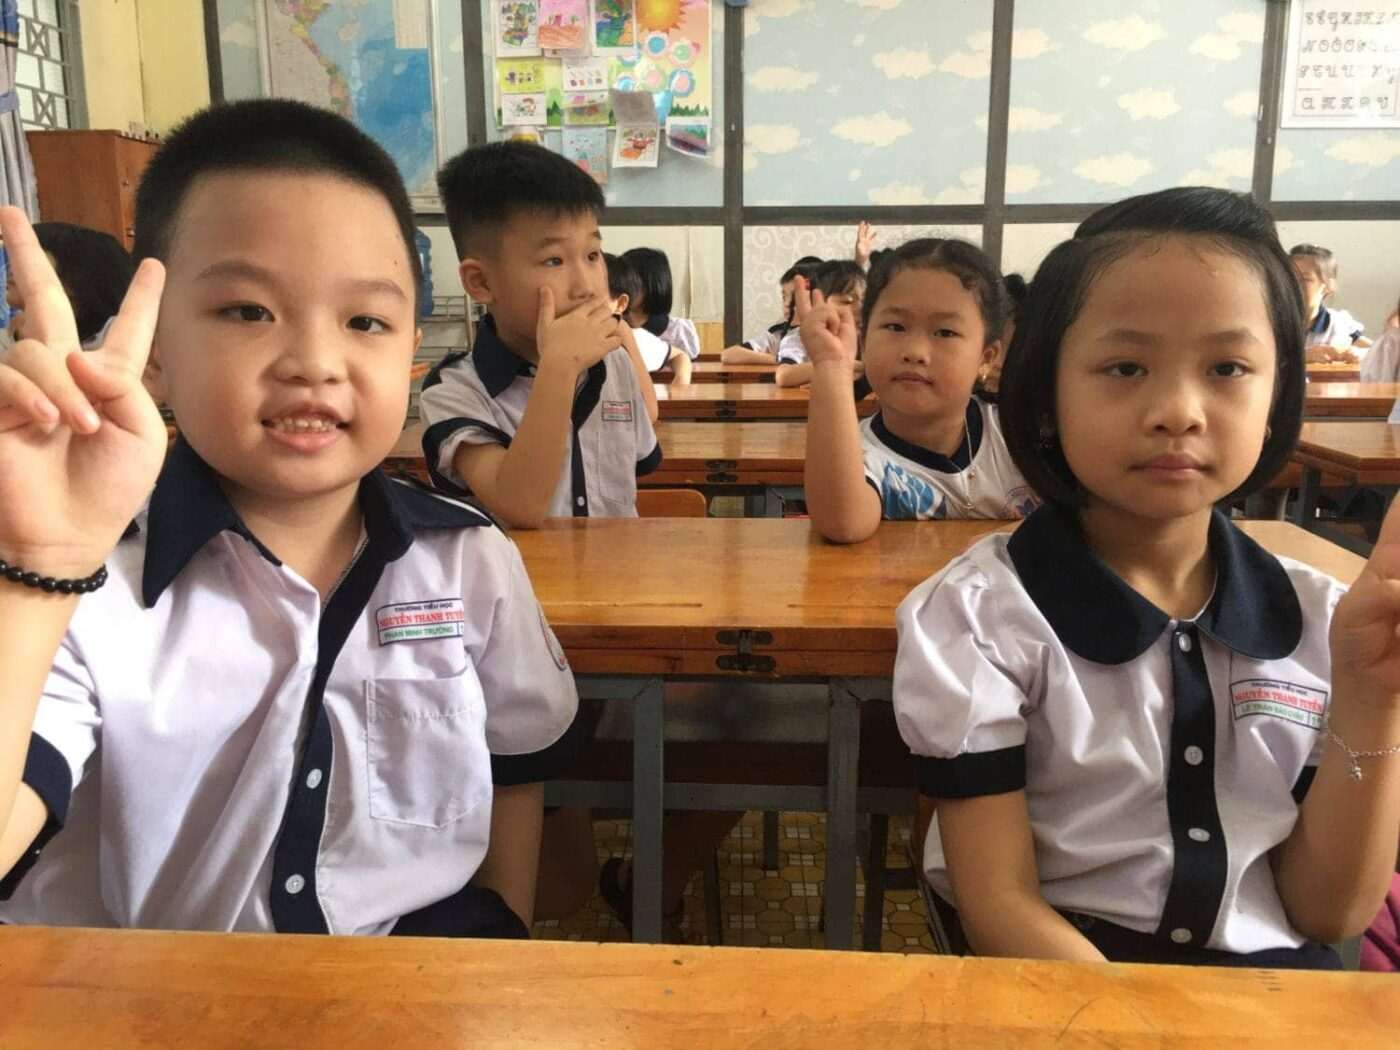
(579, 339)
(828, 330)
(81, 441)
(1365, 634)
(865, 243)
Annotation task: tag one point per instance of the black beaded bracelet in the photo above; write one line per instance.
(51, 585)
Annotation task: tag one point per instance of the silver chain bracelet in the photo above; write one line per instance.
(1353, 755)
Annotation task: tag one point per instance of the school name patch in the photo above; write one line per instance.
(617, 411)
(412, 621)
(1286, 700)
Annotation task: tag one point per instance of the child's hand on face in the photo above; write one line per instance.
(579, 339)
(81, 441)
(828, 329)
(1365, 634)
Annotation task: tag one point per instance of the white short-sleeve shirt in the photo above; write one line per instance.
(680, 332)
(768, 342)
(479, 398)
(655, 353)
(980, 480)
(791, 349)
(1381, 363)
(1334, 327)
(1162, 760)
(219, 750)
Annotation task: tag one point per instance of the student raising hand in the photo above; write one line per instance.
(828, 330)
(1365, 634)
(81, 441)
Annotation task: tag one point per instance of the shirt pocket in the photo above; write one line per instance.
(426, 752)
(610, 461)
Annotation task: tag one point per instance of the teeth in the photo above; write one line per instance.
(303, 424)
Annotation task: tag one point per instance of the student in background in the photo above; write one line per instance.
(841, 283)
(251, 726)
(95, 271)
(865, 249)
(1331, 334)
(933, 318)
(1382, 362)
(989, 381)
(624, 288)
(1148, 739)
(653, 310)
(763, 349)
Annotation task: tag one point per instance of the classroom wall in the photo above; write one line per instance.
(144, 62)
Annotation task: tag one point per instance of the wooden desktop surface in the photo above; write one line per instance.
(106, 988)
(1355, 400)
(738, 401)
(1364, 452)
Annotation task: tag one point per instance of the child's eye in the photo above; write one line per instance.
(1229, 369)
(946, 333)
(892, 326)
(1125, 369)
(553, 260)
(595, 257)
(249, 312)
(373, 325)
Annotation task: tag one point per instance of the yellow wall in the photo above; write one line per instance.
(143, 62)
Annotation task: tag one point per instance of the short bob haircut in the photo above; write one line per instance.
(94, 268)
(622, 278)
(967, 262)
(837, 277)
(1233, 222)
(654, 269)
(265, 135)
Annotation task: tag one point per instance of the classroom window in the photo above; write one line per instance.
(46, 76)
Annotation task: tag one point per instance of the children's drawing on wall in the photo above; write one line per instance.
(691, 137)
(673, 63)
(586, 107)
(526, 109)
(588, 148)
(614, 27)
(517, 27)
(564, 25)
(638, 142)
(585, 74)
(518, 76)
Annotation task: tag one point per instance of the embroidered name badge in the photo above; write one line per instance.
(617, 411)
(410, 621)
(1266, 696)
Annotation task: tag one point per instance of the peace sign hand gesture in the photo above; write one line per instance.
(81, 440)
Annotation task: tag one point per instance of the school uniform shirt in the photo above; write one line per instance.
(791, 349)
(1381, 363)
(979, 480)
(1334, 328)
(218, 749)
(677, 332)
(655, 353)
(479, 398)
(1161, 759)
(768, 342)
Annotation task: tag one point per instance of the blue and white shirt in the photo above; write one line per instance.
(1334, 328)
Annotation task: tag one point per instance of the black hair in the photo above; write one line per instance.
(1234, 222)
(654, 269)
(94, 268)
(804, 266)
(264, 135)
(837, 276)
(967, 262)
(622, 278)
(1016, 291)
(877, 255)
(1326, 261)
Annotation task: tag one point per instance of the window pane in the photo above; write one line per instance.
(1115, 97)
(894, 112)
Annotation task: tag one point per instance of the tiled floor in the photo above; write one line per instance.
(781, 908)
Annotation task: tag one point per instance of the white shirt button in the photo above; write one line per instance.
(313, 779)
(1198, 835)
(295, 885)
(1183, 642)
(1194, 755)
(1181, 935)
(579, 501)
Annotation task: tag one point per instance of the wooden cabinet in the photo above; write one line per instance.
(90, 178)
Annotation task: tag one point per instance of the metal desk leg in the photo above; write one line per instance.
(1308, 493)
(842, 768)
(648, 788)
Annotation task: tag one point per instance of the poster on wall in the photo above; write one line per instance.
(673, 60)
(614, 27)
(517, 25)
(564, 25)
(1342, 65)
(372, 62)
(588, 148)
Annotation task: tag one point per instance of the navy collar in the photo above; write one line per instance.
(1254, 610)
(962, 456)
(657, 324)
(1324, 318)
(188, 509)
(497, 364)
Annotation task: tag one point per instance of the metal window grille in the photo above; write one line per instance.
(49, 72)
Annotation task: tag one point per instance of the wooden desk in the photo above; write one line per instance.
(105, 988)
(1365, 453)
(736, 455)
(773, 601)
(713, 372)
(1350, 400)
(740, 401)
(710, 357)
(1334, 373)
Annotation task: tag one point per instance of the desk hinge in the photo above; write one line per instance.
(744, 659)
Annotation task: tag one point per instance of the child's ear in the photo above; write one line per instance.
(476, 281)
(621, 304)
(153, 378)
(991, 351)
(417, 340)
